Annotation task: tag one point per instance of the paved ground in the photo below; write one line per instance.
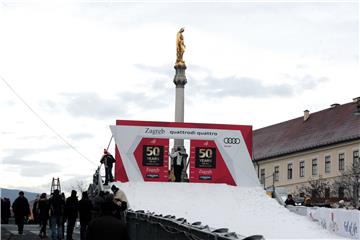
(9, 232)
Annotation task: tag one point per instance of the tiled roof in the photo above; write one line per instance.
(329, 126)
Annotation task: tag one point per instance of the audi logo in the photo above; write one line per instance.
(232, 140)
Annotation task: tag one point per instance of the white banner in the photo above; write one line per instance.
(340, 221)
(235, 154)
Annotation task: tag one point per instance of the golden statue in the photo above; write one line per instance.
(180, 48)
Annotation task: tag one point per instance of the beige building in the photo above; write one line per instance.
(317, 145)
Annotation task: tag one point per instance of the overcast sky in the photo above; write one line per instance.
(80, 65)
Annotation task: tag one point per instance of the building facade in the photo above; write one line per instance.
(321, 145)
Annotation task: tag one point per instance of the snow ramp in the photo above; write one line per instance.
(245, 210)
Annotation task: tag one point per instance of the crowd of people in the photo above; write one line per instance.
(99, 218)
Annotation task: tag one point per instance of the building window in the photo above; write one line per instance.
(276, 173)
(262, 176)
(341, 161)
(356, 158)
(341, 192)
(314, 169)
(327, 192)
(289, 176)
(302, 169)
(327, 164)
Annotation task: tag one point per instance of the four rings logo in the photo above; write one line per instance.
(232, 140)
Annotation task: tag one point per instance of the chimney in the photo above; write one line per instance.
(306, 115)
(334, 105)
(356, 100)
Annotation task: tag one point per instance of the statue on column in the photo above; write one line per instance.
(180, 48)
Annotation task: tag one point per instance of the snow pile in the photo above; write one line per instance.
(247, 211)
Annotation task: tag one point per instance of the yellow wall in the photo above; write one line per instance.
(307, 156)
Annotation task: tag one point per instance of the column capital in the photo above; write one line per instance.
(180, 77)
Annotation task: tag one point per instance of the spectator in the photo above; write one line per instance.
(43, 214)
(57, 209)
(97, 203)
(289, 200)
(21, 209)
(341, 204)
(307, 202)
(108, 160)
(71, 213)
(107, 226)
(85, 207)
(35, 209)
(121, 202)
(64, 218)
(5, 210)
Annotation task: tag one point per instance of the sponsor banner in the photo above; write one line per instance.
(152, 157)
(207, 164)
(226, 160)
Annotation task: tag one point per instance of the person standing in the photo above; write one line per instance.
(71, 213)
(177, 163)
(35, 209)
(63, 219)
(108, 161)
(289, 200)
(57, 208)
(21, 209)
(121, 202)
(107, 226)
(85, 208)
(43, 214)
(5, 210)
(97, 201)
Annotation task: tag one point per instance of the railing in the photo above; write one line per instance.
(150, 226)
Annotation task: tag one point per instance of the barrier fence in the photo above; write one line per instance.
(150, 226)
(343, 222)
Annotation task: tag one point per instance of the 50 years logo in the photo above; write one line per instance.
(230, 140)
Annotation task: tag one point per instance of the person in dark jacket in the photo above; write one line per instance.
(43, 208)
(5, 210)
(107, 226)
(97, 202)
(35, 210)
(57, 208)
(108, 160)
(85, 208)
(21, 209)
(71, 213)
(64, 218)
(289, 200)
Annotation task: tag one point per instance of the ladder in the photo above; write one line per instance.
(55, 184)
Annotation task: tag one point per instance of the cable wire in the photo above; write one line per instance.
(44, 122)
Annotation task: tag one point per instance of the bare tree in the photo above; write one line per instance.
(80, 186)
(316, 188)
(348, 184)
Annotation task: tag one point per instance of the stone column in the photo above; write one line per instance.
(180, 81)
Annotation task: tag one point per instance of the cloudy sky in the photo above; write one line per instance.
(70, 69)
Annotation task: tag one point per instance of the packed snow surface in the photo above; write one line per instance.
(244, 210)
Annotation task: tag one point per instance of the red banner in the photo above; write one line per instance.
(206, 163)
(120, 173)
(152, 157)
